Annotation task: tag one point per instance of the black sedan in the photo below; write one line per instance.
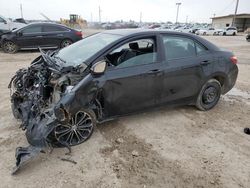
(43, 35)
(63, 94)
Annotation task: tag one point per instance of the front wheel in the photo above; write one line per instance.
(79, 128)
(9, 47)
(209, 95)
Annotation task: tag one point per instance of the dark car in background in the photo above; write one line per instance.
(43, 35)
(63, 94)
(248, 37)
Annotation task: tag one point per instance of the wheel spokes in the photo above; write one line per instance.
(77, 131)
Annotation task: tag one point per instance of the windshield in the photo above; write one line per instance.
(80, 51)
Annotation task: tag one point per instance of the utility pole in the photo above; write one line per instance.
(235, 12)
(21, 9)
(100, 14)
(178, 5)
(140, 17)
(186, 19)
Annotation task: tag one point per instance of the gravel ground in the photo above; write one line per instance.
(177, 147)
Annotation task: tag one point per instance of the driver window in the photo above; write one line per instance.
(133, 53)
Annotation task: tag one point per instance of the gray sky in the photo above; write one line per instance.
(112, 10)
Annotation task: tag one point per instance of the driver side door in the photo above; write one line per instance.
(133, 84)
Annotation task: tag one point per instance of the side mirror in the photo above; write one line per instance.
(19, 34)
(99, 67)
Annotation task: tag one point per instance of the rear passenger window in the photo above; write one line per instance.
(53, 28)
(178, 47)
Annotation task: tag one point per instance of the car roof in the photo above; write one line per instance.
(47, 23)
(127, 32)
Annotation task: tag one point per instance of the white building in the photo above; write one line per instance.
(242, 21)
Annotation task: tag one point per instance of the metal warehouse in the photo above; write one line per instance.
(242, 21)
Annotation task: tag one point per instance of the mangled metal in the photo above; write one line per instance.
(35, 97)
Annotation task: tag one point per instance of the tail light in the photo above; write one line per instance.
(234, 60)
(79, 33)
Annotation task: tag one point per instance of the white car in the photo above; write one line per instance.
(207, 31)
(184, 29)
(8, 25)
(228, 31)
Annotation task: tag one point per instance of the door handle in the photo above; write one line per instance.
(206, 62)
(154, 72)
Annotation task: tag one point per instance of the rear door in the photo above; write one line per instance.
(185, 63)
(53, 35)
(30, 36)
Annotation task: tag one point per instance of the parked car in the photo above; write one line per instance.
(193, 30)
(248, 37)
(166, 27)
(228, 31)
(7, 25)
(184, 29)
(43, 35)
(207, 31)
(63, 94)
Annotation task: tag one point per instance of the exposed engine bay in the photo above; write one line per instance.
(35, 92)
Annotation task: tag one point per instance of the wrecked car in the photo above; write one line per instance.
(63, 94)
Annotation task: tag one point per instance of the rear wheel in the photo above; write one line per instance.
(65, 43)
(204, 33)
(9, 47)
(234, 34)
(209, 95)
(77, 130)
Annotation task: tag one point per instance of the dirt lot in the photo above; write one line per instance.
(179, 147)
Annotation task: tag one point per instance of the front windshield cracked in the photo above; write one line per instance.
(79, 52)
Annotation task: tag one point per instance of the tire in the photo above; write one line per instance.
(16, 113)
(248, 40)
(224, 34)
(9, 47)
(234, 34)
(80, 133)
(65, 43)
(209, 95)
(204, 33)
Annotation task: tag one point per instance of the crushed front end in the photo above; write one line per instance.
(35, 95)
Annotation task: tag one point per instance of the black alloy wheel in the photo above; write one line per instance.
(77, 130)
(9, 47)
